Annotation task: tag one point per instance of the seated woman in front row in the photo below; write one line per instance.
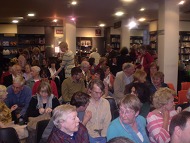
(43, 102)
(129, 123)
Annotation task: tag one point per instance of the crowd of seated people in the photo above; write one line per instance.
(143, 103)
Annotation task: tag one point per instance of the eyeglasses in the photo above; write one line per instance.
(97, 92)
(18, 87)
(126, 111)
(43, 91)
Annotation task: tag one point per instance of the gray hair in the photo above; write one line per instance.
(127, 65)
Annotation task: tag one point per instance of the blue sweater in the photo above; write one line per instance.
(22, 99)
(115, 129)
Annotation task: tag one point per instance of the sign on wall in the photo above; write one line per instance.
(98, 32)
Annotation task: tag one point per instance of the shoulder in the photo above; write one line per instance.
(141, 119)
(82, 128)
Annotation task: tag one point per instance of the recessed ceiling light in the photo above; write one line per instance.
(74, 2)
(181, 2)
(142, 19)
(55, 20)
(102, 25)
(73, 18)
(31, 14)
(142, 9)
(119, 13)
(128, 0)
(15, 21)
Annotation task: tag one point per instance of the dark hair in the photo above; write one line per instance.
(45, 73)
(75, 71)
(179, 120)
(120, 140)
(98, 82)
(80, 99)
(124, 51)
(101, 73)
(91, 61)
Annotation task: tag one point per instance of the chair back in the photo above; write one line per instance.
(40, 127)
(182, 98)
(8, 135)
(171, 86)
(185, 85)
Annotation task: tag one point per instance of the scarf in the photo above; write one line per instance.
(48, 104)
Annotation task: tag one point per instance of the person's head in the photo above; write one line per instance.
(80, 100)
(140, 76)
(63, 46)
(16, 70)
(128, 69)
(18, 84)
(36, 51)
(44, 89)
(35, 71)
(180, 128)
(52, 64)
(108, 48)
(94, 50)
(85, 66)
(91, 61)
(129, 108)
(142, 49)
(45, 73)
(153, 68)
(158, 78)
(99, 74)
(103, 61)
(120, 140)
(106, 70)
(96, 88)
(27, 68)
(164, 98)
(3, 92)
(65, 118)
(76, 73)
(124, 51)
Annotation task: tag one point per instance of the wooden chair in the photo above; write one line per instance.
(8, 135)
(185, 85)
(182, 98)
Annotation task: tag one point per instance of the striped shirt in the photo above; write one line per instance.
(157, 134)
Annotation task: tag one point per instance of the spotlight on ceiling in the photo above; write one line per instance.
(128, 0)
(102, 25)
(15, 21)
(142, 9)
(181, 2)
(31, 14)
(73, 2)
(141, 19)
(132, 23)
(55, 20)
(73, 18)
(119, 13)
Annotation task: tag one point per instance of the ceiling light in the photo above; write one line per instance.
(15, 21)
(102, 25)
(128, 0)
(132, 23)
(181, 2)
(55, 20)
(142, 9)
(119, 13)
(74, 2)
(31, 14)
(73, 19)
(142, 19)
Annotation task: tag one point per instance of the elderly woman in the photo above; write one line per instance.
(159, 119)
(67, 126)
(129, 123)
(43, 102)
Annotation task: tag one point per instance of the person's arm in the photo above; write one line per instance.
(32, 111)
(156, 130)
(64, 91)
(47, 131)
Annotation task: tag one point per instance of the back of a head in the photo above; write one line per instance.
(127, 65)
(120, 140)
(75, 71)
(63, 44)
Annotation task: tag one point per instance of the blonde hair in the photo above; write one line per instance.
(19, 79)
(60, 113)
(2, 88)
(162, 96)
(132, 102)
(139, 74)
(127, 65)
(44, 84)
(160, 75)
(63, 44)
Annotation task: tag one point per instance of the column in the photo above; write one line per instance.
(125, 34)
(168, 40)
(70, 34)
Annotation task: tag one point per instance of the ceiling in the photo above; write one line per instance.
(88, 13)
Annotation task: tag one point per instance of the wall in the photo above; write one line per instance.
(30, 30)
(184, 26)
(8, 28)
(88, 32)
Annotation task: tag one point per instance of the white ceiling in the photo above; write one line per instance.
(88, 13)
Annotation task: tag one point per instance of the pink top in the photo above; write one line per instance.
(157, 134)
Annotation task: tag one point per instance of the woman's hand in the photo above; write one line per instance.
(14, 107)
(48, 110)
(41, 110)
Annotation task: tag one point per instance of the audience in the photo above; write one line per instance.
(129, 123)
(158, 120)
(180, 128)
(67, 126)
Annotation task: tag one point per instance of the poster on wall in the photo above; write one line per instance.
(98, 32)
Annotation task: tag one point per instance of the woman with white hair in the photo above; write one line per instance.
(67, 126)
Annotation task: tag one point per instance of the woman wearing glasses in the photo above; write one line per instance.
(129, 123)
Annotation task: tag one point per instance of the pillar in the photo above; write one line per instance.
(168, 40)
(125, 34)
